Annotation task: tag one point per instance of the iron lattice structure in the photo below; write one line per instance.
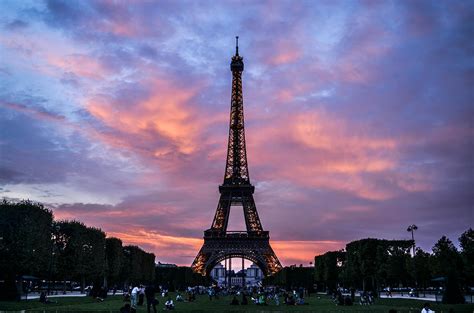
(220, 244)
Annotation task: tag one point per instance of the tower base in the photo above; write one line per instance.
(254, 246)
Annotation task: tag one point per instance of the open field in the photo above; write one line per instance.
(320, 304)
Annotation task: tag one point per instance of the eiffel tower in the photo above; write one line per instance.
(220, 244)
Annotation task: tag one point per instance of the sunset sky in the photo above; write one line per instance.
(359, 117)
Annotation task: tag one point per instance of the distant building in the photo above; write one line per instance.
(236, 281)
(166, 265)
(253, 276)
(218, 274)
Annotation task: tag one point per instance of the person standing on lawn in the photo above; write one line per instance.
(150, 298)
(134, 297)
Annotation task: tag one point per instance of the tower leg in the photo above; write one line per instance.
(230, 272)
(243, 274)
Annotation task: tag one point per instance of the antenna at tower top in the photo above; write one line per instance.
(237, 45)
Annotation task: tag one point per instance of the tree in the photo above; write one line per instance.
(31, 243)
(81, 251)
(94, 255)
(25, 242)
(178, 278)
(466, 242)
(452, 293)
(420, 268)
(446, 258)
(447, 263)
(328, 268)
(293, 277)
(394, 260)
(139, 266)
(115, 260)
(372, 261)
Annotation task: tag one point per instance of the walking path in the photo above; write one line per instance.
(36, 295)
(426, 298)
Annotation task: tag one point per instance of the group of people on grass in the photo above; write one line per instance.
(263, 296)
(366, 297)
(136, 296)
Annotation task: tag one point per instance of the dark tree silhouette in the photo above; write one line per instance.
(25, 244)
(466, 242)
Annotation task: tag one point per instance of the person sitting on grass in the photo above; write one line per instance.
(426, 308)
(126, 308)
(179, 298)
(126, 296)
(245, 301)
(347, 300)
(169, 305)
(261, 300)
(366, 298)
(289, 300)
(339, 298)
(191, 296)
(234, 301)
(44, 298)
(300, 301)
(276, 297)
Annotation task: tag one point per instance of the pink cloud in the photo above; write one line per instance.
(80, 64)
(327, 152)
(284, 52)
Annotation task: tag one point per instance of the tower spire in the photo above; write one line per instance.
(237, 45)
(236, 166)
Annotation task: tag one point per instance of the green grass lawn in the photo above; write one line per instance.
(320, 304)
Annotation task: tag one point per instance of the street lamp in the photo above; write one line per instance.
(54, 236)
(86, 249)
(412, 229)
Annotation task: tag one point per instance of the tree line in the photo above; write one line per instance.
(179, 278)
(292, 277)
(374, 264)
(35, 246)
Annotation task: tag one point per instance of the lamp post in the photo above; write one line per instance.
(412, 229)
(55, 230)
(86, 250)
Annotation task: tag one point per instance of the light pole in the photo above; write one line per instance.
(86, 248)
(412, 229)
(55, 230)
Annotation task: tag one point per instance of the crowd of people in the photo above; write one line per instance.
(263, 296)
(138, 295)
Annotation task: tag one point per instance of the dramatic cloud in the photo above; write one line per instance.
(358, 117)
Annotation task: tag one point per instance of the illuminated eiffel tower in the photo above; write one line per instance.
(220, 244)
